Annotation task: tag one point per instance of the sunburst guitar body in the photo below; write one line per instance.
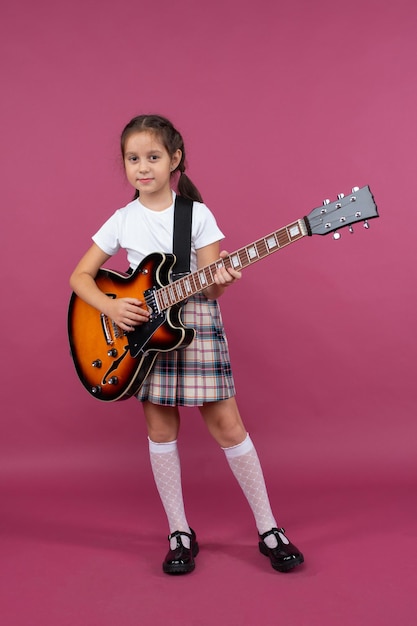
(111, 364)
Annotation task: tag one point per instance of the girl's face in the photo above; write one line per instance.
(148, 168)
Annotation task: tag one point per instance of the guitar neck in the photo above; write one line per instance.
(194, 283)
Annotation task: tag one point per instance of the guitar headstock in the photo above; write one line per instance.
(359, 206)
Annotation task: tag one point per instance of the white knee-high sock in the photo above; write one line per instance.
(245, 465)
(166, 468)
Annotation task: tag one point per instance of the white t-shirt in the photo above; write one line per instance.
(141, 231)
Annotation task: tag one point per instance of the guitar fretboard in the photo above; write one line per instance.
(193, 283)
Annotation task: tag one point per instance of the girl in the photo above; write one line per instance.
(199, 375)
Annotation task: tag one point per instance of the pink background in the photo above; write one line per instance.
(281, 105)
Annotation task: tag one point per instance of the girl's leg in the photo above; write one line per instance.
(163, 427)
(225, 424)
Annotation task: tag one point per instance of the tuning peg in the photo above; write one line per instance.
(340, 196)
(365, 224)
(336, 235)
(351, 229)
(325, 203)
(355, 189)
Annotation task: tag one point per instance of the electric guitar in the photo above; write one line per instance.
(113, 364)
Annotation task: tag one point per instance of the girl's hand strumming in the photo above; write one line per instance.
(127, 312)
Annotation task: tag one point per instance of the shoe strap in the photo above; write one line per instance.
(273, 531)
(178, 533)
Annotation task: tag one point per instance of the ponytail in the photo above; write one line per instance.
(187, 189)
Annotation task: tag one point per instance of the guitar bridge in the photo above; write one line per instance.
(106, 329)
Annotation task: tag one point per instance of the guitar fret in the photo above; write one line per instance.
(262, 248)
(196, 284)
(252, 252)
(165, 297)
(190, 284)
(171, 294)
(293, 231)
(208, 275)
(202, 277)
(212, 270)
(235, 261)
(244, 260)
(187, 285)
(179, 290)
(283, 237)
(271, 242)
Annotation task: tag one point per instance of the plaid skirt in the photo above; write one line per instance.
(199, 373)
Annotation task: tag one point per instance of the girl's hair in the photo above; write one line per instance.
(171, 140)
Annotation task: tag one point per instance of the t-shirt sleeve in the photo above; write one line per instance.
(107, 237)
(205, 228)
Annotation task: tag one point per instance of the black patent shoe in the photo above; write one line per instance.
(285, 556)
(180, 560)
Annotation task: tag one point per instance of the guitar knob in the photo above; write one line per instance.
(97, 363)
(113, 380)
(112, 352)
(96, 390)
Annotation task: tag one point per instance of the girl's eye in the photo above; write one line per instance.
(154, 157)
(132, 159)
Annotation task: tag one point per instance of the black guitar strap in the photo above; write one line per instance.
(183, 217)
(181, 242)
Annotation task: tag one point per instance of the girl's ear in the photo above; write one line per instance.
(176, 159)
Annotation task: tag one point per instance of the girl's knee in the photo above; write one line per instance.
(162, 423)
(224, 423)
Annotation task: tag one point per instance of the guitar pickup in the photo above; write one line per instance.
(151, 301)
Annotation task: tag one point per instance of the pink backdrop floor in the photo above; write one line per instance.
(91, 555)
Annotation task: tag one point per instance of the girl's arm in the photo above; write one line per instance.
(223, 277)
(125, 312)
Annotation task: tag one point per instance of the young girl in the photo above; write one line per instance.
(199, 375)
